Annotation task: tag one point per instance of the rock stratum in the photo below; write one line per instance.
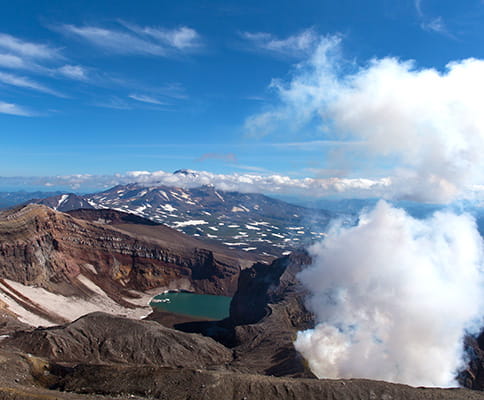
(102, 257)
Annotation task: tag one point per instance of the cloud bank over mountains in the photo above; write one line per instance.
(248, 183)
(387, 187)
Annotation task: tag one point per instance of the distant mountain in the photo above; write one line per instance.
(64, 202)
(10, 199)
(246, 221)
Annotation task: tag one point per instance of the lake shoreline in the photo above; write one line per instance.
(195, 305)
(171, 319)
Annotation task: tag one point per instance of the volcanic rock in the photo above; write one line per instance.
(473, 376)
(266, 313)
(101, 338)
(183, 384)
(64, 202)
(73, 257)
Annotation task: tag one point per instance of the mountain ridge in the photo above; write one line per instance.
(250, 222)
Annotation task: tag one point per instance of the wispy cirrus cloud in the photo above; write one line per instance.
(113, 102)
(14, 109)
(418, 7)
(12, 61)
(76, 72)
(131, 39)
(174, 90)
(39, 59)
(182, 38)
(435, 24)
(37, 51)
(27, 83)
(294, 46)
(147, 99)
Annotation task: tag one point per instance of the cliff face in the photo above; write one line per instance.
(473, 376)
(52, 250)
(266, 313)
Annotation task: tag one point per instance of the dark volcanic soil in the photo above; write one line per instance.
(34, 375)
(102, 338)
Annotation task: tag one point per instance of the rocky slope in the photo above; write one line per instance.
(473, 376)
(64, 202)
(101, 338)
(267, 312)
(71, 257)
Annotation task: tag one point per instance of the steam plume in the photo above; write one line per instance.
(393, 297)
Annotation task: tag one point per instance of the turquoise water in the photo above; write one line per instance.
(195, 305)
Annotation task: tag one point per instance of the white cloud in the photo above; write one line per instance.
(173, 90)
(76, 72)
(26, 83)
(138, 40)
(12, 61)
(247, 183)
(38, 59)
(118, 42)
(113, 102)
(182, 38)
(435, 25)
(294, 46)
(14, 109)
(428, 123)
(27, 49)
(146, 99)
(418, 7)
(257, 181)
(263, 124)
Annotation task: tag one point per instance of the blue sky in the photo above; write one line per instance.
(106, 87)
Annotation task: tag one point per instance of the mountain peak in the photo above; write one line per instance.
(186, 172)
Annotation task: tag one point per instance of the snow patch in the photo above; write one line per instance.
(62, 199)
(168, 207)
(192, 222)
